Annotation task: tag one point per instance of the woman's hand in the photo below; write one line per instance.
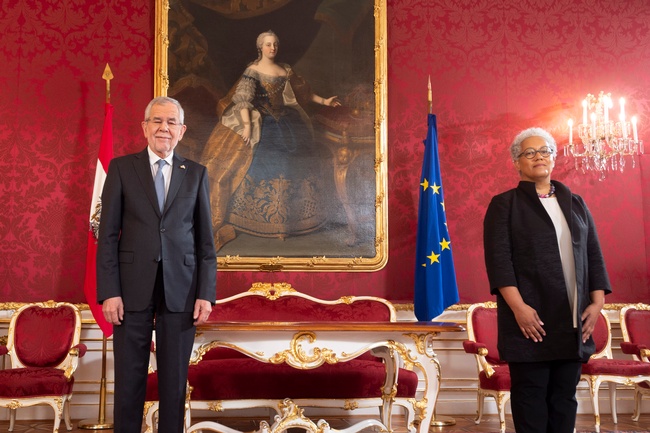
(246, 132)
(589, 318)
(332, 102)
(591, 313)
(529, 322)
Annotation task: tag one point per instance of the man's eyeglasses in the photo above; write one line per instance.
(172, 124)
(530, 153)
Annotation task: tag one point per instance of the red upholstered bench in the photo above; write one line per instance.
(222, 378)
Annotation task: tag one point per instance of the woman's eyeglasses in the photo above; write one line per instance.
(530, 153)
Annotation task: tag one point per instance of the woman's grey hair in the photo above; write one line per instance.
(260, 41)
(165, 100)
(515, 147)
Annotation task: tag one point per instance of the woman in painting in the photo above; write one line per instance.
(262, 157)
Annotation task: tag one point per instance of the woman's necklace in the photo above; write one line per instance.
(550, 193)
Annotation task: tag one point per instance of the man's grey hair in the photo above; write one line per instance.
(515, 147)
(165, 100)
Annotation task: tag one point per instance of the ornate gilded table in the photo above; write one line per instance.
(306, 345)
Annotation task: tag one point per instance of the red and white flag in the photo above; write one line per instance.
(90, 283)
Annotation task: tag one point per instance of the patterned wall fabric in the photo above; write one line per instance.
(53, 54)
(496, 67)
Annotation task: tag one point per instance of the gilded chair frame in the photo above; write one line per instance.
(59, 403)
(483, 365)
(594, 381)
(643, 355)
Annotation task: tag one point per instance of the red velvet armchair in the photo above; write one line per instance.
(493, 373)
(635, 325)
(601, 368)
(44, 349)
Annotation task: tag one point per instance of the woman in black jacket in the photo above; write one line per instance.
(546, 268)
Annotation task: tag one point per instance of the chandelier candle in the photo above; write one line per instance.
(604, 143)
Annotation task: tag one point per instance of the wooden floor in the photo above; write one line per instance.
(463, 423)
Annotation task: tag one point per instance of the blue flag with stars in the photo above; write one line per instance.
(435, 277)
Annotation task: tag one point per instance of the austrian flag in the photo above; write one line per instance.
(90, 282)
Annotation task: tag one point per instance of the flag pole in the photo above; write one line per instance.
(437, 420)
(429, 96)
(101, 423)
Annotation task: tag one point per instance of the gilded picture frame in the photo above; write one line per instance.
(338, 50)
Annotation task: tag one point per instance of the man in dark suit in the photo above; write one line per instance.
(156, 263)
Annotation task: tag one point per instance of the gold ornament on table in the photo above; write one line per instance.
(604, 139)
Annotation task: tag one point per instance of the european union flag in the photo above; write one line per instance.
(435, 277)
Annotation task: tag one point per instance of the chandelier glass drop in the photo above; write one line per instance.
(604, 142)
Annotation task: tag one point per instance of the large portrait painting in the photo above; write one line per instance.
(285, 104)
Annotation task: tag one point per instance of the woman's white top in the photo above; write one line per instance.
(566, 252)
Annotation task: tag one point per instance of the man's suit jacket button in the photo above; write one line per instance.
(162, 230)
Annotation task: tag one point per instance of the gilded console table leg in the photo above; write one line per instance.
(440, 420)
(426, 360)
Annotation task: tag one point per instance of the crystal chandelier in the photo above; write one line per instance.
(604, 143)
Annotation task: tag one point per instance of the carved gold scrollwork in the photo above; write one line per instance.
(215, 406)
(147, 408)
(11, 305)
(47, 304)
(297, 356)
(272, 291)
(13, 404)
(500, 397)
(346, 299)
(592, 382)
(291, 417)
(404, 353)
(645, 353)
(629, 382)
(419, 407)
(390, 397)
(423, 342)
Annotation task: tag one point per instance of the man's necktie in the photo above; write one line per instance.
(159, 182)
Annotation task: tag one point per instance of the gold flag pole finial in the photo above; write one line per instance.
(429, 95)
(108, 76)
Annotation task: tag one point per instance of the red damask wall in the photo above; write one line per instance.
(496, 67)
